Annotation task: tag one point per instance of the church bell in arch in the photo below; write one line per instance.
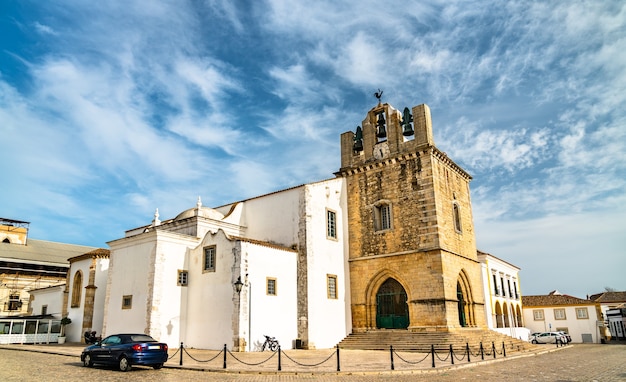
(381, 131)
(407, 119)
(358, 139)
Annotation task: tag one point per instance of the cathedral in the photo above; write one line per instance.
(388, 243)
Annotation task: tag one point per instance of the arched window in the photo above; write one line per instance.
(457, 217)
(77, 289)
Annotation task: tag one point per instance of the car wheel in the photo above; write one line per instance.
(157, 366)
(534, 341)
(87, 362)
(124, 364)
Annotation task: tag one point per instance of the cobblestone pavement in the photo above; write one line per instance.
(579, 362)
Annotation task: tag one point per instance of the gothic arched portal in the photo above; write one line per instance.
(465, 300)
(461, 305)
(392, 311)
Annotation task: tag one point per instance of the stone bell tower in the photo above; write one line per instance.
(412, 249)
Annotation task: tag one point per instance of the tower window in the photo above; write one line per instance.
(382, 216)
(457, 217)
(209, 259)
(331, 224)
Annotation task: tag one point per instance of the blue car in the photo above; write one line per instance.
(126, 350)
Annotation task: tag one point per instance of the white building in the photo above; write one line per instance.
(503, 304)
(47, 301)
(287, 248)
(85, 293)
(581, 319)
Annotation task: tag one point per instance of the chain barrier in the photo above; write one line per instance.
(410, 362)
(254, 363)
(197, 360)
(442, 359)
(177, 350)
(451, 356)
(455, 356)
(310, 365)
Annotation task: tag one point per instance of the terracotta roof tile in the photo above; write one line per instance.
(554, 299)
(609, 297)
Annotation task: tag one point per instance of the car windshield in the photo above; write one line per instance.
(141, 338)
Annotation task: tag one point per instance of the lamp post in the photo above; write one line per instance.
(238, 288)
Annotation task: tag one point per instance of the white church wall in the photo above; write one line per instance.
(137, 265)
(102, 271)
(273, 217)
(272, 315)
(73, 331)
(329, 320)
(211, 296)
(168, 298)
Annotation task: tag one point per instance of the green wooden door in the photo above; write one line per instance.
(461, 305)
(392, 311)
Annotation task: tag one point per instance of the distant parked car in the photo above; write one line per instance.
(566, 335)
(548, 338)
(126, 350)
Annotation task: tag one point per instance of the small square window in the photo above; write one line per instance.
(209, 259)
(271, 286)
(559, 314)
(538, 314)
(127, 301)
(331, 282)
(331, 224)
(44, 310)
(14, 302)
(182, 277)
(582, 313)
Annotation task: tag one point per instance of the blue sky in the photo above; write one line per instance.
(111, 109)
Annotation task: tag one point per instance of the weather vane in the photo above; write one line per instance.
(378, 95)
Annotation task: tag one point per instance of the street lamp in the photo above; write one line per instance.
(238, 285)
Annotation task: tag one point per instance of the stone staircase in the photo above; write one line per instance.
(403, 340)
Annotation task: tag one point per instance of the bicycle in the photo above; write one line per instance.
(270, 342)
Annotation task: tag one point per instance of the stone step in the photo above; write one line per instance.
(423, 342)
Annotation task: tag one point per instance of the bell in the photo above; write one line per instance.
(407, 128)
(381, 132)
(358, 139)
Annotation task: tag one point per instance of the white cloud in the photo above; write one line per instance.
(44, 29)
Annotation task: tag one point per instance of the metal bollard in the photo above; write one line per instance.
(338, 367)
(279, 362)
(467, 349)
(391, 355)
(180, 363)
(451, 355)
(225, 350)
(432, 354)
